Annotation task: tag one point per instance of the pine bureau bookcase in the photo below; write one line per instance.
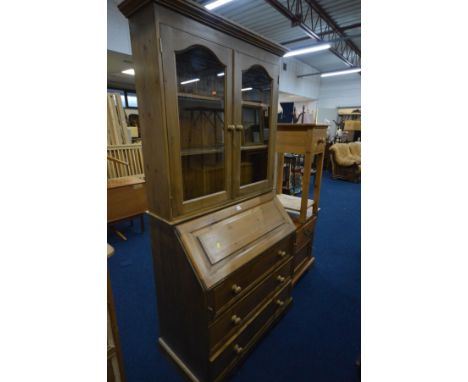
(222, 242)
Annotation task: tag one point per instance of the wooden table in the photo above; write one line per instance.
(307, 139)
(126, 199)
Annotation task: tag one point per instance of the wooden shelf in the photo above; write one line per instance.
(254, 147)
(255, 104)
(202, 150)
(199, 97)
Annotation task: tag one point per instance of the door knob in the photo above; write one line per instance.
(279, 302)
(281, 253)
(236, 288)
(280, 278)
(238, 349)
(236, 319)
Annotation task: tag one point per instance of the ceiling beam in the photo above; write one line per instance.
(345, 28)
(305, 38)
(334, 26)
(316, 23)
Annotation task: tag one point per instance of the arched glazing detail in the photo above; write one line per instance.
(201, 100)
(256, 110)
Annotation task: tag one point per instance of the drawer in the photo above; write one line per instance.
(242, 281)
(319, 138)
(305, 233)
(301, 255)
(125, 202)
(233, 350)
(235, 318)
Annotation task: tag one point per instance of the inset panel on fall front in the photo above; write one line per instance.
(201, 102)
(256, 109)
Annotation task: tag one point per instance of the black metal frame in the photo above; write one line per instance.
(126, 91)
(310, 16)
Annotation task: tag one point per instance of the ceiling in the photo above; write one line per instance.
(288, 97)
(116, 62)
(345, 13)
(264, 19)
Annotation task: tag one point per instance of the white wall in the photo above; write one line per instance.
(118, 32)
(337, 92)
(340, 91)
(307, 86)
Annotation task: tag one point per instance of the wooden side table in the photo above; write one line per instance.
(309, 140)
(126, 199)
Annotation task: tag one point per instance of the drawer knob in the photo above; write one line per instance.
(280, 278)
(281, 253)
(236, 319)
(238, 349)
(279, 302)
(236, 288)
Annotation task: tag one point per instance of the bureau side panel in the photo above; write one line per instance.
(182, 308)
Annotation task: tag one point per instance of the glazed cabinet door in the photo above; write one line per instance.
(198, 92)
(255, 113)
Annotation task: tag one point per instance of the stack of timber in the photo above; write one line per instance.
(124, 160)
(117, 131)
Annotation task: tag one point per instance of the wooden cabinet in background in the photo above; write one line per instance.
(349, 120)
(222, 242)
(126, 198)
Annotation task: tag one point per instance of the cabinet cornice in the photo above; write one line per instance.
(199, 13)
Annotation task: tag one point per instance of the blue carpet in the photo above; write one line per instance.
(317, 340)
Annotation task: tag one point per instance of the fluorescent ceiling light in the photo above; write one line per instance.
(246, 89)
(340, 72)
(190, 81)
(130, 71)
(216, 4)
(220, 74)
(310, 49)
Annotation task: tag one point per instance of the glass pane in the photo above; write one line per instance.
(132, 100)
(256, 101)
(256, 85)
(200, 79)
(255, 122)
(254, 164)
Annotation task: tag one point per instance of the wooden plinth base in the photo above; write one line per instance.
(255, 340)
(173, 356)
